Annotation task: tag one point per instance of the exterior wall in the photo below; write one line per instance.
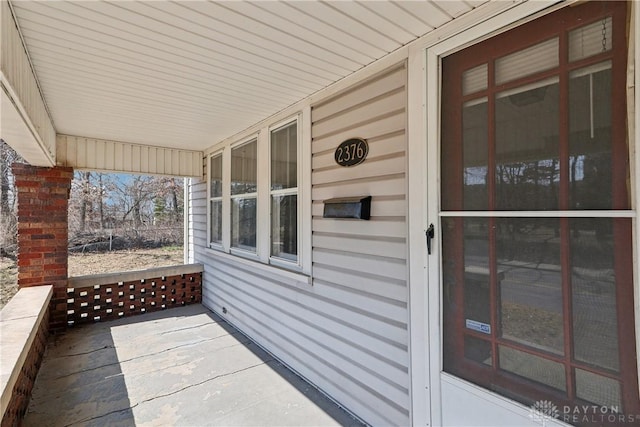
(345, 328)
(364, 263)
(347, 331)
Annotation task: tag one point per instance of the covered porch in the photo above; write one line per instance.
(178, 364)
(184, 366)
(375, 309)
(152, 87)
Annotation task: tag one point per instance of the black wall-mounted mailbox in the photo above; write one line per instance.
(348, 207)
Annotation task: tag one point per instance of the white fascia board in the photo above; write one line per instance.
(124, 157)
(24, 120)
(17, 131)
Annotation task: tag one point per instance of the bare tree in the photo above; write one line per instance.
(85, 202)
(139, 209)
(8, 205)
(101, 201)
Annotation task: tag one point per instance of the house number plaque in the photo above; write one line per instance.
(352, 152)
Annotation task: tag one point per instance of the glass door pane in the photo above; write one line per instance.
(537, 301)
(475, 152)
(595, 319)
(527, 147)
(590, 145)
(530, 282)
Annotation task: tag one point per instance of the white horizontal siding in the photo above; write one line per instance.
(390, 247)
(365, 262)
(383, 185)
(389, 122)
(113, 156)
(336, 345)
(360, 263)
(347, 332)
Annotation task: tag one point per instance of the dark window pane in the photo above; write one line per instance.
(284, 227)
(477, 350)
(533, 367)
(243, 223)
(284, 164)
(216, 176)
(530, 282)
(216, 221)
(527, 159)
(475, 155)
(476, 274)
(590, 138)
(244, 168)
(598, 389)
(595, 333)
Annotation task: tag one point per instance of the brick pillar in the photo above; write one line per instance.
(43, 199)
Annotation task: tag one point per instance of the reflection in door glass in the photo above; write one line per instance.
(530, 282)
(593, 280)
(533, 367)
(527, 156)
(475, 154)
(598, 389)
(590, 137)
(476, 271)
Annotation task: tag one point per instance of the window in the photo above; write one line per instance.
(244, 196)
(284, 192)
(215, 200)
(254, 198)
(536, 220)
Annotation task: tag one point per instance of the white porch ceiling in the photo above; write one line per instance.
(187, 74)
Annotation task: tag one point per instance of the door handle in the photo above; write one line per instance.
(430, 235)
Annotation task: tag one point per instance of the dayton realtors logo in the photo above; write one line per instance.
(544, 410)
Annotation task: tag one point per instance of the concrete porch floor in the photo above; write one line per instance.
(184, 366)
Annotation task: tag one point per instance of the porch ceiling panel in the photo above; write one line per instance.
(187, 74)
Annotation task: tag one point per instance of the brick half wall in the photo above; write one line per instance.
(111, 296)
(24, 327)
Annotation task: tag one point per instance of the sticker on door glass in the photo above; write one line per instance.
(474, 325)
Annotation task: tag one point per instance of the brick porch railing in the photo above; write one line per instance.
(25, 321)
(110, 296)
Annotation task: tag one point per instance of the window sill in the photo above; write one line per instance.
(254, 264)
(243, 253)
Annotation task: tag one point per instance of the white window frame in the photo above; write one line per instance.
(279, 261)
(246, 253)
(301, 268)
(211, 198)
